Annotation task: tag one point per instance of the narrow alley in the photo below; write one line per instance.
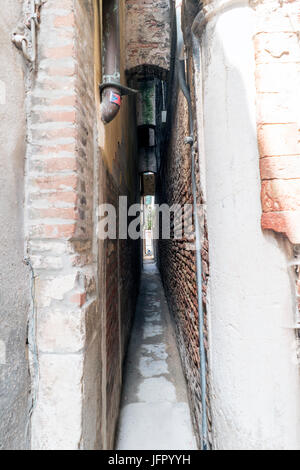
(150, 225)
(155, 413)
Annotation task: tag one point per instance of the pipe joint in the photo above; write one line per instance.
(111, 104)
(111, 99)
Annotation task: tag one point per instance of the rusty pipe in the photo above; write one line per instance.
(111, 89)
(111, 41)
(111, 96)
(111, 104)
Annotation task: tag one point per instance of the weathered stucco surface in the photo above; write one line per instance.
(254, 372)
(14, 275)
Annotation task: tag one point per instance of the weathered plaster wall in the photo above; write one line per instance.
(255, 378)
(14, 275)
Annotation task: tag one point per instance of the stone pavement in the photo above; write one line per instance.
(155, 412)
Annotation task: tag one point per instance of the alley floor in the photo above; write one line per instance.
(155, 413)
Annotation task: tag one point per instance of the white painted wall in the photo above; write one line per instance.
(255, 382)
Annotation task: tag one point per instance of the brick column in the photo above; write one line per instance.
(60, 201)
(277, 50)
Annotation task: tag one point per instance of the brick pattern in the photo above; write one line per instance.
(112, 320)
(277, 55)
(113, 366)
(148, 26)
(60, 206)
(121, 260)
(78, 278)
(177, 261)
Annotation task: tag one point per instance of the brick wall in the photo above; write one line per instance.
(177, 260)
(277, 54)
(60, 227)
(148, 26)
(121, 265)
(76, 375)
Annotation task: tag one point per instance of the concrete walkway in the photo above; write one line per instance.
(155, 413)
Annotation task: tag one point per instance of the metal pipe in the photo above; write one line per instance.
(191, 140)
(111, 96)
(111, 89)
(111, 41)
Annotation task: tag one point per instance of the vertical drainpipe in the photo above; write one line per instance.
(111, 89)
(191, 140)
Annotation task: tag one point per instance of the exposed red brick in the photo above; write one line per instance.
(281, 195)
(64, 101)
(67, 20)
(54, 213)
(55, 147)
(60, 164)
(69, 197)
(284, 222)
(57, 182)
(61, 189)
(60, 52)
(79, 299)
(176, 261)
(148, 26)
(60, 232)
(277, 57)
(61, 72)
(278, 139)
(59, 116)
(283, 167)
(54, 134)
